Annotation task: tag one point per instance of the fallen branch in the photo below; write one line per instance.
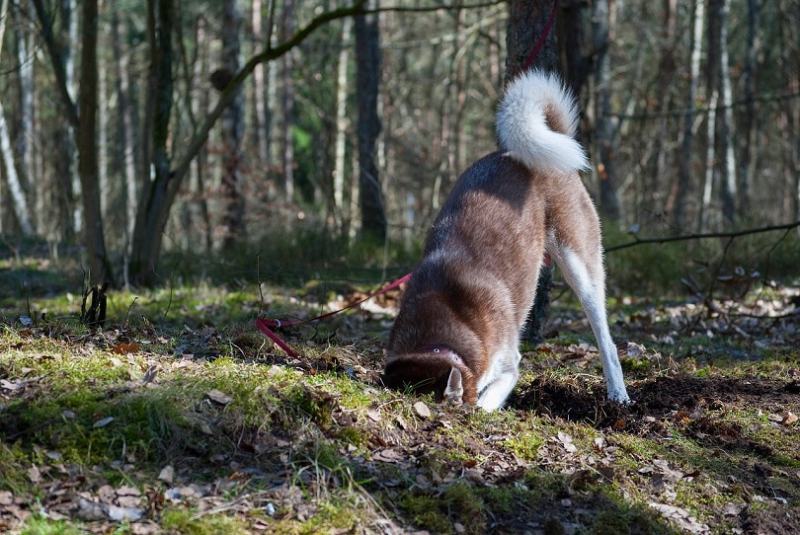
(702, 236)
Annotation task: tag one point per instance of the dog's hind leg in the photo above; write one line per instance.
(585, 275)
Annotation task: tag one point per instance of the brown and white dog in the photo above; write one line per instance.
(461, 317)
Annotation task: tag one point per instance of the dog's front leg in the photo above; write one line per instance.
(496, 392)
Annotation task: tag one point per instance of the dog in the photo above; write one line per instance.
(458, 330)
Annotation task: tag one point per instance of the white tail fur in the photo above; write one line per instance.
(536, 123)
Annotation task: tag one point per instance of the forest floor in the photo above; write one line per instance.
(180, 417)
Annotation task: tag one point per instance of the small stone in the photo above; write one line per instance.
(167, 474)
(422, 410)
(103, 422)
(218, 397)
(122, 514)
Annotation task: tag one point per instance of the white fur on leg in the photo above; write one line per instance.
(591, 294)
(498, 382)
(495, 394)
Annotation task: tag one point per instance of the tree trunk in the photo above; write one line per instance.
(25, 57)
(712, 98)
(287, 105)
(232, 223)
(728, 184)
(18, 201)
(602, 27)
(259, 114)
(94, 238)
(155, 201)
(368, 74)
(664, 79)
(72, 89)
(746, 167)
(342, 122)
(685, 164)
(102, 130)
(8, 159)
(64, 144)
(201, 72)
(573, 59)
(526, 22)
(126, 154)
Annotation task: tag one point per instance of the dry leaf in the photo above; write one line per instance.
(789, 418)
(123, 348)
(34, 474)
(388, 456)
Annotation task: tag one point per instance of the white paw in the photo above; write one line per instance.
(619, 396)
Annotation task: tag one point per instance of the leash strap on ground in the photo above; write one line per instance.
(268, 325)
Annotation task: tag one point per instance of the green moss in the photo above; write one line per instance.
(423, 511)
(353, 435)
(13, 465)
(39, 525)
(465, 506)
(525, 445)
(185, 522)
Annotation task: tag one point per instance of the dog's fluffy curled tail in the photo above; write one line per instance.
(536, 123)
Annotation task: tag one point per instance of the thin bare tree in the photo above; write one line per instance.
(368, 68)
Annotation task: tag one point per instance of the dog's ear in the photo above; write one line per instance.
(454, 393)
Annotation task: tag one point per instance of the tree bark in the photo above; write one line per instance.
(602, 29)
(287, 104)
(342, 122)
(18, 200)
(201, 162)
(368, 74)
(260, 111)
(687, 143)
(94, 238)
(665, 80)
(155, 197)
(728, 185)
(25, 57)
(126, 151)
(746, 162)
(232, 223)
(102, 129)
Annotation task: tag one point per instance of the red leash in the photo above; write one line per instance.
(266, 325)
(537, 47)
